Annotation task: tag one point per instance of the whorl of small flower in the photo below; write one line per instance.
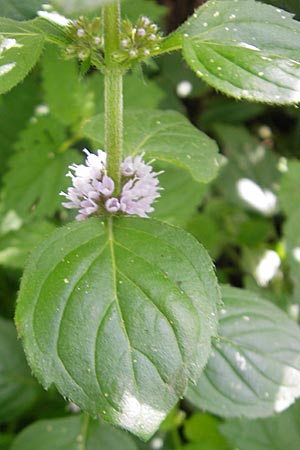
(139, 41)
(92, 191)
(85, 38)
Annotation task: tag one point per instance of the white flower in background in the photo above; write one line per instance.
(92, 189)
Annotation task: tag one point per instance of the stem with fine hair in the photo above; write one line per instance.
(113, 92)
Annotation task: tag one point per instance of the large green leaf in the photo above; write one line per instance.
(166, 136)
(20, 47)
(254, 368)
(72, 433)
(18, 390)
(243, 48)
(119, 315)
(281, 432)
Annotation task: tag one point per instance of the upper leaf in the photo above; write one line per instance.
(68, 433)
(254, 368)
(119, 316)
(20, 47)
(166, 136)
(245, 49)
(18, 390)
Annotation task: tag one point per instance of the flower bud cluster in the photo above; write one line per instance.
(139, 41)
(86, 38)
(92, 191)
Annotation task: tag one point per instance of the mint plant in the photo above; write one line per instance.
(119, 310)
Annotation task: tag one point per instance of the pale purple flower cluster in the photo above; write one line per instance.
(92, 189)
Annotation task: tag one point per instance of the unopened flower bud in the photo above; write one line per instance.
(80, 32)
(146, 20)
(132, 53)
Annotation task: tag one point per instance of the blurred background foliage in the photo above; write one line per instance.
(248, 218)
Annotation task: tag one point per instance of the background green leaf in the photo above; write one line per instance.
(249, 177)
(24, 10)
(202, 432)
(66, 96)
(14, 118)
(254, 367)
(149, 294)
(16, 245)
(180, 197)
(37, 171)
(18, 390)
(71, 433)
(280, 432)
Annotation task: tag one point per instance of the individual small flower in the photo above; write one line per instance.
(92, 191)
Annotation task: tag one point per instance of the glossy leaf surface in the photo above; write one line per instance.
(245, 49)
(254, 368)
(119, 316)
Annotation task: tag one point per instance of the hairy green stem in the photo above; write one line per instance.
(113, 92)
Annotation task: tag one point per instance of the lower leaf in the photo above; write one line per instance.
(119, 316)
(72, 433)
(254, 367)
